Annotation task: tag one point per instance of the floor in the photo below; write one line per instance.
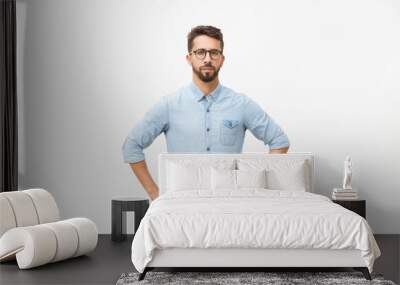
(111, 259)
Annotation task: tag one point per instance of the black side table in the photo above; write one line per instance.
(119, 207)
(357, 206)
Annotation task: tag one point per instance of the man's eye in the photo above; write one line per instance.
(214, 52)
(201, 52)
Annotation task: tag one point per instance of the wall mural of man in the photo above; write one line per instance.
(202, 117)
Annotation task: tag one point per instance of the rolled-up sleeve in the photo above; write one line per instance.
(154, 122)
(263, 127)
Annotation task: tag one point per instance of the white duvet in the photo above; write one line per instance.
(251, 218)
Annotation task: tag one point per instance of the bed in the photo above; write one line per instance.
(247, 210)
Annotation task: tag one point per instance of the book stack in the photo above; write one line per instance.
(344, 194)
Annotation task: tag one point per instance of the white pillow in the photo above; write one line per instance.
(223, 179)
(187, 174)
(228, 179)
(287, 179)
(251, 178)
(282, 174)
(183, 177)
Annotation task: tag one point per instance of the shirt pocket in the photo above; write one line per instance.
(229, 132)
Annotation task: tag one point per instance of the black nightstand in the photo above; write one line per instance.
(357, 206)
(119, 207)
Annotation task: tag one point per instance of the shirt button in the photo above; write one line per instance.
(208, 110)
(208, 129)
(208, 148)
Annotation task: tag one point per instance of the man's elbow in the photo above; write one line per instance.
(279, 144)
(279, 150)
(132, 152)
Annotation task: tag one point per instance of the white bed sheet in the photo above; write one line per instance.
(250, 218)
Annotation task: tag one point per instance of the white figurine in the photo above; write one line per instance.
(347, 174)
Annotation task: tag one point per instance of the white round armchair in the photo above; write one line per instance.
(32, 233)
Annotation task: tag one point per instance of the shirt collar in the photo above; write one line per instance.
(198, 94)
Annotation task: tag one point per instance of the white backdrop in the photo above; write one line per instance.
(327, 71)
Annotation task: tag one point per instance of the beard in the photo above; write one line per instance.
(208, 75)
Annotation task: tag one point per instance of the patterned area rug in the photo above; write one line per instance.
(275, 278)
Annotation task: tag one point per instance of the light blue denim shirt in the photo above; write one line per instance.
(194, 123)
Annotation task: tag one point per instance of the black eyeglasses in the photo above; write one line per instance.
(201, 53)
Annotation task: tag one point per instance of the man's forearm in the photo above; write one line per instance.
(279, 150)
(142, 173)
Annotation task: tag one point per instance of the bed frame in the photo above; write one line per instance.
(244, 259)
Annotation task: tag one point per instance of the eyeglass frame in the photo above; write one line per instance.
(207, 51)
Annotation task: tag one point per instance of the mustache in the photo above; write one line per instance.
(207, 66)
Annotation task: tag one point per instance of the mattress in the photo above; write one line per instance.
(251, 219)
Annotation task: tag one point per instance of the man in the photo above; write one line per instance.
(204, 116)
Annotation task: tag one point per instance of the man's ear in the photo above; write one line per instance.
(223, 60)
(188, 59)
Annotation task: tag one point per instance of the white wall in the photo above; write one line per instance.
(327, 71)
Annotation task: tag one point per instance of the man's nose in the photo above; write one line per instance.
(207, 57)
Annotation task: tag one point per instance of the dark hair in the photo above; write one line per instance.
(210, 31)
